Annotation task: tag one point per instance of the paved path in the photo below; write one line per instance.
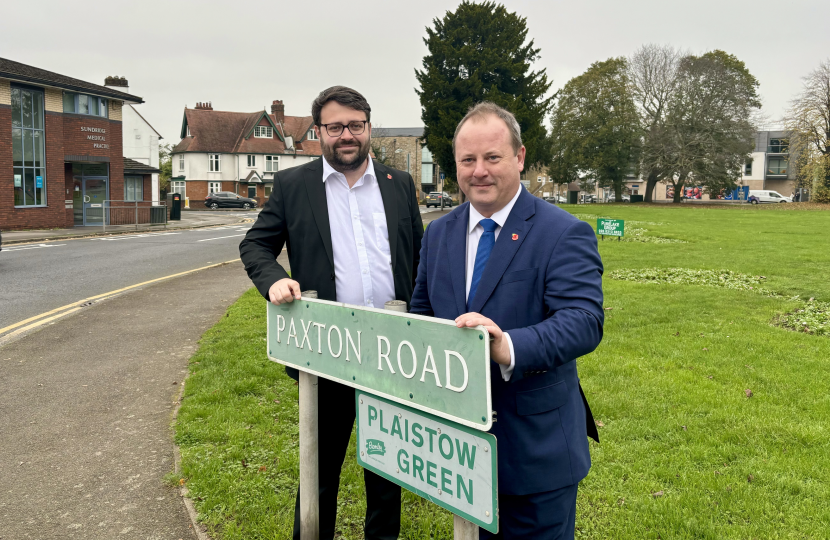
(86, 410)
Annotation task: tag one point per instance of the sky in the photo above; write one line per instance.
(242, 55)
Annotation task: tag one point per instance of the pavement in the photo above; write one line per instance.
(87, 407)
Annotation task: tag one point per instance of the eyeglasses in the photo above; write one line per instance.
(356, 127)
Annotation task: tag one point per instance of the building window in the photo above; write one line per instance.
(251, 160)
(181, 162)
(214, 187)
(383, 153)
(263, 132)
(777, 167)
(272, 163)
(267, 189)
(178, 187)
(133, 188)
(27, 147)
(188, 131)
(778, 146)
(84, 104)
(214, 162)
(312, 136)
(748, 168)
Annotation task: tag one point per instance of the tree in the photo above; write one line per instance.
(562, 167)
(166, 168)
(808, 118)
(477, 53)
(708, 130)
(600, 123)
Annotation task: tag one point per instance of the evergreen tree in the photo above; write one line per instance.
(479, 53)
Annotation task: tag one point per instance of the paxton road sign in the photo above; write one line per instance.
(426, 363)
(610, 227)
(448, 464)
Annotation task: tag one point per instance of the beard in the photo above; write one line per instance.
(341, 162)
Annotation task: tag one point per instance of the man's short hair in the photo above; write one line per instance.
(342, 95)
(488, 108)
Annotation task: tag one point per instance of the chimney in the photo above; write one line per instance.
(204, 106)
(278, 110)
(117, 83)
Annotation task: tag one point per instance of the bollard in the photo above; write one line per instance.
(309, 453)
(395, 305)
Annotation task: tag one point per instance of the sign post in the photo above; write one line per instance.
(610, 227)
(309, 453)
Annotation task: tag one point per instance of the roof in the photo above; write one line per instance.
(399, 132)
(132, 166)
(232, 133)
(10, 69)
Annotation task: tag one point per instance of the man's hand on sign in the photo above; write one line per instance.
(499, 349)
(284, 290)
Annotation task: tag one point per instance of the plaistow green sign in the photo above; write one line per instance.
(451, 465)
(610, 227)
(423, 362)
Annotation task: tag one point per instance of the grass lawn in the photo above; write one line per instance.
(685, 452)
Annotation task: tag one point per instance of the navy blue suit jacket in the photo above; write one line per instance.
(545, 288)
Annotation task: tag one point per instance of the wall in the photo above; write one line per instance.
(141, 143)
(397, 160)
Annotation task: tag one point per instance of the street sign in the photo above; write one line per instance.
(448, 464)
(423, 362)
(442, 176)
(610, 227)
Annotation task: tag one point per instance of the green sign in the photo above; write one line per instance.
(424, 362)
(610, 227)
(444, 462)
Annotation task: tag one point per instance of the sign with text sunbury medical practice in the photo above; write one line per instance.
(423, 362)
(450, 465)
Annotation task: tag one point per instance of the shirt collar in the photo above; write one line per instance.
(499, 217)
(328, 170)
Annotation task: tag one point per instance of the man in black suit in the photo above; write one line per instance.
(353, 232)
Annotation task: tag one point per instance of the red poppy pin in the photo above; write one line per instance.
(389, 176)
(515, 237)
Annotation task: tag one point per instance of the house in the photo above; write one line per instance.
(238, 152)
(404, 149)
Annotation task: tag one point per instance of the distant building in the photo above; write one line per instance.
(239, 152)
(404, 149)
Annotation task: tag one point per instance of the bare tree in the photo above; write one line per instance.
(808, 118)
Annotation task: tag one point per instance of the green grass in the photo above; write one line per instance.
(668, 383)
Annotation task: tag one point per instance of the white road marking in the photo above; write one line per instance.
(131, 236)
(32, 247)
(220, 237)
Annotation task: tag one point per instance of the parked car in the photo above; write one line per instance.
(588, 198)
(228, 199)
(434, 199)
(624, 197)
(766, 196)
(557, 199)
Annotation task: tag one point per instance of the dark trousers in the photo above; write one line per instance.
(383, 498)
(541, 516)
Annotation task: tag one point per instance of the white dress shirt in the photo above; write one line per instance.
(474, 232)
(359, 238)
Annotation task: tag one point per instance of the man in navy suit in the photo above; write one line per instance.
(531, 274)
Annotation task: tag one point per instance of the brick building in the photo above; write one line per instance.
(61, 159)
(238, 152)
(404, 149)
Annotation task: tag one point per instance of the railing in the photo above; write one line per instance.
(132, 213)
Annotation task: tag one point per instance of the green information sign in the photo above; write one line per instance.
(610, 227)
(423, 362)
(448, 464)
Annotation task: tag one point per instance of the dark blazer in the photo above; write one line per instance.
(296, 215)
(542, 284)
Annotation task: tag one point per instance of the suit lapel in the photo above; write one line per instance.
(390, 208)
(505, 248)
(316, 190)
(456, 242)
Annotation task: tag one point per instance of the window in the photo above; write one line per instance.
(178, 187)
(214, 187)
(27, 147)
(272, 163)
(777, 166)
(748, 168)
(181, 162)
(188, 131)
(263, 132)
(311, 136)
(383, 153)
(214, 162)
(133, 188)
(251, 160)
(778, 146)
(267, 189)
(84, 104)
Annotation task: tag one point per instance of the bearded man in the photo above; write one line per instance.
(353, 232)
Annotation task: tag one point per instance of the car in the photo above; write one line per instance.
(623, 197)
(588, 198)
(557, 199)
(767, 196)
(434, 199)
(228, 199)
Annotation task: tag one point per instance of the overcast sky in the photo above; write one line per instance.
(241, 55)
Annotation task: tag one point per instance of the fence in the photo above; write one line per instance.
(136, 213)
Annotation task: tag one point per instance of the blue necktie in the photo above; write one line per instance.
(485, 246)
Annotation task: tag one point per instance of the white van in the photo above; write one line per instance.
(765, 196)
